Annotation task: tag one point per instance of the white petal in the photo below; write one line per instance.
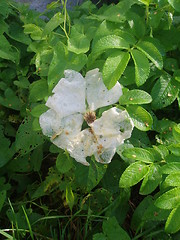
(61, 130)
(106, 155)
(69, 95)
(96, 92)
(50, 123)
(82, 146)
(112, 128)
(71, 126)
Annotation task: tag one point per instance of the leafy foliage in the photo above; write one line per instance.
(136, 196)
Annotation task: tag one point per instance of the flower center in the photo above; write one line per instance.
(90, 117)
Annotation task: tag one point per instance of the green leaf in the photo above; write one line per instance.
(38, 110)
(173, 167)
(114, 68)
(133, 174)
(151, 52)
(173, 222)
(175, 149)
(142, 67)
(69, 196)
(78, 42)
(155, 16)
(128, 77)
(21, 164)
(164, 92)
(175, 4)
(38, 90)
(34, 31)
(135, 96)
(7, 51)
(138, 154)
(2, 198)
(89, 177)
(151, 180)
(10, 100)
(169, 200)
(139, 211)
(115, 12)
(62, 60)
(141, 118)
(16, 32)
(112, 230)
(136, 23)
(26, 138)
(64, 163)
(53, 23)
(155, 214)
(146, 2)
(171, 64)
(108, 42)
(99, 236)
(176, 132)
(4, 8)
(173, 180)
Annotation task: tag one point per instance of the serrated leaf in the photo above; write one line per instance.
(172, 167)
(173, 180)
(164, 92)
(135, 96)
(151, 180)
(138, 154)
(142, 67)
(141, 118)
(161, 150)
(53, 23)
(169, 200)
(173, 222)
(108, 42)
(113, 230)
(175, 4)
(151, 52)
(133, 174)
(114, 68)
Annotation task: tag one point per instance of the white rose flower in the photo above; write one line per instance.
(75, 99)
